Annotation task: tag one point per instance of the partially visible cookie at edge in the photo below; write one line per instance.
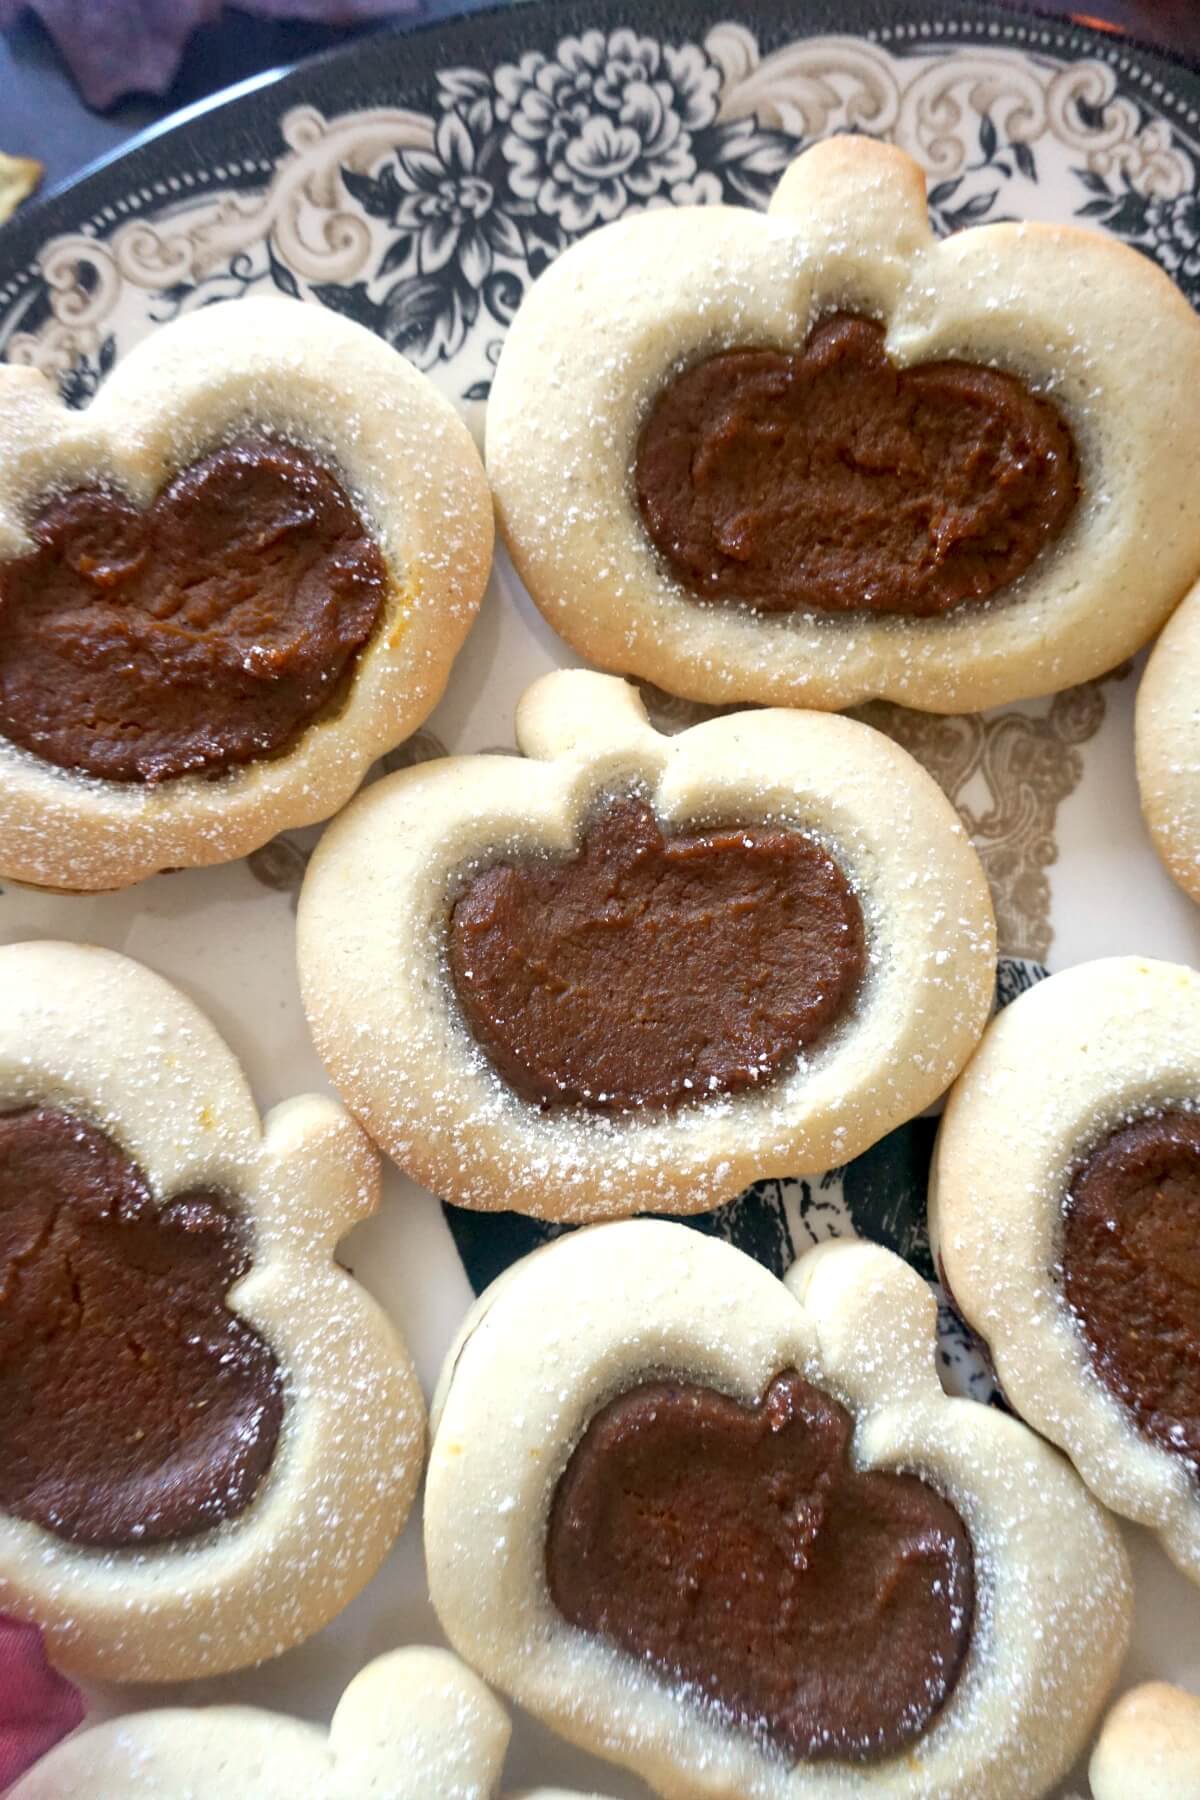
(1167, 729)
(1149, 1747)
(415, 1724)
(1064, 1213)
(210, 1433)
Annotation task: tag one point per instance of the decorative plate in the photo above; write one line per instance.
(419, 182)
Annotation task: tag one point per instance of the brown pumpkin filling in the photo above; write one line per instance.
(134, 1406)
(202, 633)
(1131, 1273)
(738, 1551)
(833, 481)
(651, 969)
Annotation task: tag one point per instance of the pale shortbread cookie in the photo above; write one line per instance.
(1094, 1048)
(1149, 1748)
(620, 1303)
(332, 387)
(1078, 316)
(1168, 745)
(372, 933)
(90, 1032)
(412, 1725)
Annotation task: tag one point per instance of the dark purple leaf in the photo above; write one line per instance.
(463, 84)
(427, 317)
(503, 235)
(1128, 216)
(116, 47)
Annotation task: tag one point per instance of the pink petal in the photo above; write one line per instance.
(37, 1704)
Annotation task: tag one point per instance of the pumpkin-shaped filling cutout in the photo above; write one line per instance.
(197, 635)
(654, 968)
(1131, 1273)
(830, 480)
(135, 1407)
(826, 1609)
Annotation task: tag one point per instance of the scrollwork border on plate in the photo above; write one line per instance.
(429, 225)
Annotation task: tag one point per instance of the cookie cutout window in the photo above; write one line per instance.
(135, 1407)
(650, 970)
(832, 481)
(854, 1592)
(205, 632)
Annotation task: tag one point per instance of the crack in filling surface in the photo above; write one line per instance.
(737, 1550)
(135, 1407)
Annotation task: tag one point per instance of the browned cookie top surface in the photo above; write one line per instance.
(134, 1406)
(1131, 1273)
(202, 633)
(832, 481)
(735, 1548)
(648, 970)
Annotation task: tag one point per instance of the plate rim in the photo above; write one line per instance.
(53, 212)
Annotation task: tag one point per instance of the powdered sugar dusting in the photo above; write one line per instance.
(622, 1303)
(97, 1034)
(384, 1015)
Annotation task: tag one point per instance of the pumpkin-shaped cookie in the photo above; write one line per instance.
(1065, 1213)
(1149, 1748)
(1168, 745)
(209, 1433)
(226, 586)
(636, 972)
(820, 456)
(412, 1725)
(731, 1533)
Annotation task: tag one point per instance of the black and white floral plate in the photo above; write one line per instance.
(419, 182)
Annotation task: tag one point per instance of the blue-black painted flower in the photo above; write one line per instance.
(448, 202)
(608, 122)
(1174, 228)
